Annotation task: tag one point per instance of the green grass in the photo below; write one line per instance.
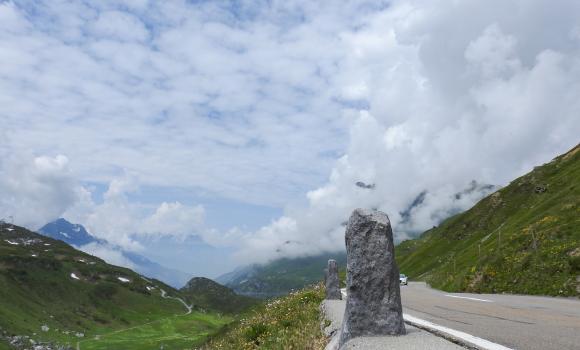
(176, 332)
(521, 239)
(38, 290)
(290, 322)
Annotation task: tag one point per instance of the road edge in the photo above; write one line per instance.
(457, 337)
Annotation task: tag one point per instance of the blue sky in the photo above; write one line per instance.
(233, 127)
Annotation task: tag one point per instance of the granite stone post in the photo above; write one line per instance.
(373, 304)
(332, 282)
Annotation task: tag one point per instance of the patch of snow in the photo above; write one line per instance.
(150, 288)
(9, 229)
(30, 241)
(44, 328)
(123, 279)
(10, 242)
(34, 255)
(65, 234)
(77, 228)
(46, 244)
(73, 275)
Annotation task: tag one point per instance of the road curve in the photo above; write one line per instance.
(188, 307)
(515, 321)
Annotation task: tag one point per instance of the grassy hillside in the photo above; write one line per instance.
(75, 296)
(290, 322)
(282, 276)
(524, 238)
(207, 293)
(174, 332)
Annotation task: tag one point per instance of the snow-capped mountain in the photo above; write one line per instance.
(77, 236)
(73, 234)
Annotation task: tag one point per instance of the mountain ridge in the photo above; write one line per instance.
(77, 236)
(56, 294)
(205, 291)
(523, 238)
(279, 277)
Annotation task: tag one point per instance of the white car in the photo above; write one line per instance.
(403, 279)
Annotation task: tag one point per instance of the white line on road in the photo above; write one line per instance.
(476, 299)
(462, 336)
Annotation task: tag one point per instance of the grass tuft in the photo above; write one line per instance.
(290, 322)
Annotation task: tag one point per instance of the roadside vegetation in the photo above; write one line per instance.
(290, 322)
(524, 238)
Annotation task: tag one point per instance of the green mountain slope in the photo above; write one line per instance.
(524, 238)
(207, 293)
(52, 292)
(281, 276)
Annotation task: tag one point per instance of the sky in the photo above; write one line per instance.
(213, 134)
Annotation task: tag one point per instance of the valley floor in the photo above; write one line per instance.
(177, 332)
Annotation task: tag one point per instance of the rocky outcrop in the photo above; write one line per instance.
(373, 305)
(332, 281)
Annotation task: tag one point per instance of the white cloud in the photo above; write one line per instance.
(258, 103)
(450, 99)
(174, 219)
(123, 222)
(120, 26)
(35, 190)
(493, 53)
(110, 254)
(205, 96)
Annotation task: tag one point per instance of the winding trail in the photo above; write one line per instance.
(188, 307)
(164, 296)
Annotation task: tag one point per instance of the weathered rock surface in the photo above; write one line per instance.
(332, 281)
(373, 305)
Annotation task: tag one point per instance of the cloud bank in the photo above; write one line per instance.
(260, 101)
(35, 190)
(455, 91)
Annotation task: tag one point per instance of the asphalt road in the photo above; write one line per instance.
(515, 321)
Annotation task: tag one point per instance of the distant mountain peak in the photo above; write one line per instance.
(73, 234)
(77, 236)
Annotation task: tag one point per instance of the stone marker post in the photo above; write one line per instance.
(373, 303)
(332, 282)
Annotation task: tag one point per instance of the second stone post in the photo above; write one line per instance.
(332, 281)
